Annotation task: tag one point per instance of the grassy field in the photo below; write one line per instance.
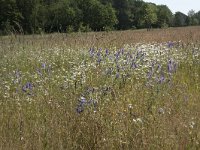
(106, 90)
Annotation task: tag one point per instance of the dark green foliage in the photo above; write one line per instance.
(28, 10)
(180, 19)
(9, 16)
(36, 16)
(138, 13)
(193, 18)
(164, 15)
(150, 14)
(97, 15)
(61, 15)
(123, 13)
(197, 16)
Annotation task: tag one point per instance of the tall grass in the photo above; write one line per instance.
(116, 90)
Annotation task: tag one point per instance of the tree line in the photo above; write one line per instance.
(36, 16)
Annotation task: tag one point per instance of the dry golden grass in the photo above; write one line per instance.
(107, 39)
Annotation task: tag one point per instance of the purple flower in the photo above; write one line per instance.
(39, 72)
(80, 107)
(138, 54)
(107, 52)
(99, 52)
(83, 102)
(161, 79)
(90, 90)
(117, 54)
(99, 60)
(44, 65)
(171, 66)
(159, 68)
(117, 75)
(27, 88)
(133, 65)
(91, 52)
(149, 74)
(129, 55)
(170, 44)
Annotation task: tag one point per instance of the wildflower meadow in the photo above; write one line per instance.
(106, 90)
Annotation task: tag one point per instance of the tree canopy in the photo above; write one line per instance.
(35, 16)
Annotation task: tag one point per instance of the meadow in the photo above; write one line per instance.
(107, 90)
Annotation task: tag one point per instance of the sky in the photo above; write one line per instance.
(179, 5)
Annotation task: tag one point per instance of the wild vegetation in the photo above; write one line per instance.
(37, 16)
(106, 90)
